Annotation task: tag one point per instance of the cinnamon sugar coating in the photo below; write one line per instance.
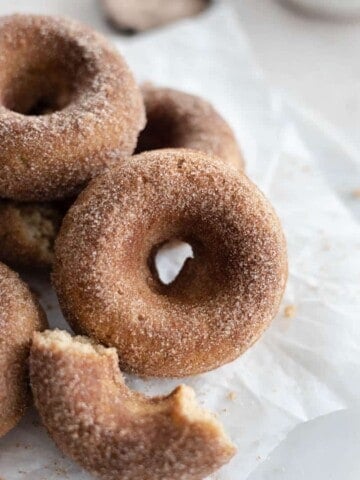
(20, 316)
(111, 431)
(69, 107)
(28, 232)
(177, 119)
(222, 300)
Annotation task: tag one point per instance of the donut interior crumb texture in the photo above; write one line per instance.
(222, 300)
(20, 316)
(28, 232)
(112, 431)
(69, 107)
(140, 15)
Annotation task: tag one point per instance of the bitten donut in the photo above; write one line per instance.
(177, 119)
(20, 316)
(69, 107)
(28, 232)
(222, 300)
(111, 431)
(141, 15)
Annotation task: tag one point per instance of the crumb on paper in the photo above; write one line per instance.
(61, 472)
(232, 396)
(290, 311)
(356, 193)
(326, 246)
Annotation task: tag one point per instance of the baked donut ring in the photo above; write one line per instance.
(177, 119)
(111, 431)
(28, 232)
(20, 316)
(69, 107)
(222, 300)
(141, 15)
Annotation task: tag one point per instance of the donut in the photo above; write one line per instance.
(69, 107)
(112, 431)
(28, 232)
(177, 119)
(223, 298)
(20, 316)
(141, 15)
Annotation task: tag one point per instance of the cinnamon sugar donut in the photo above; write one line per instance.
(28, 232)
(20, 316)
(177, 119)
(69, 107)
(111, 431)
(222, 300)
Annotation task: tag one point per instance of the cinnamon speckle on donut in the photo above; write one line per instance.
(69, 107)
(20, 316)
(224, 297)
(112, 431)
(176, 119)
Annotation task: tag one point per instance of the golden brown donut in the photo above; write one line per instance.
(177, 119)
(20, 316)
(111, 431)
(141, 15)
(69, 107)
(221, 301)
(28, 232)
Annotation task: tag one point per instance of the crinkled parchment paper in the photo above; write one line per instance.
(308, 362)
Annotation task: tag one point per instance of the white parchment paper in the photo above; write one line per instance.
(304, 366)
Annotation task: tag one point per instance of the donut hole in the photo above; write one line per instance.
(34, 94)
(170, 258)
(43, 79)
(39, 92)
(192, 267)
(161, 131)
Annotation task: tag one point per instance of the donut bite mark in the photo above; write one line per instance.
(20, 316)
(222, 300)
(140, 15)
(112, 431)
(177, 119)
(28, 232)
(69, 107)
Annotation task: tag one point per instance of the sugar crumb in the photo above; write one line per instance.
(232, 396)
(290, 311)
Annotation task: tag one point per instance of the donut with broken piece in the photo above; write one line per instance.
(222, 300)
(176, 119)
(28, 232)
(20, 316)
(69, 107)
(112, 431)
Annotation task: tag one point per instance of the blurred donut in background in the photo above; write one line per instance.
(141, 15)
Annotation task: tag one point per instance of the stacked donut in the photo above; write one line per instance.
(72, 124)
